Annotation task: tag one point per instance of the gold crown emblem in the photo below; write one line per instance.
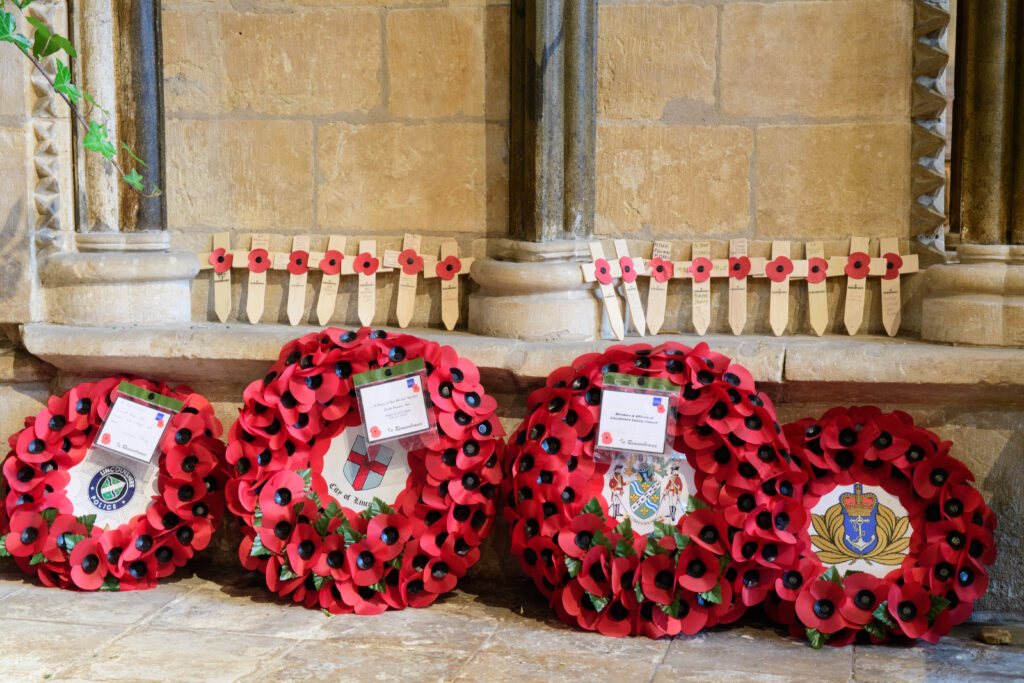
(858, 504)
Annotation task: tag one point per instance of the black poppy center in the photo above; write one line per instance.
(823, 609)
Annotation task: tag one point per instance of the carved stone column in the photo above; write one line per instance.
(530, 287)
(980, 300)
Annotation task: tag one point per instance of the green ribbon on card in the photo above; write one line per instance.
(149, 396)
(409, 367)
(618, 379)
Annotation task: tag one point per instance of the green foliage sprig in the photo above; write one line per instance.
(44, 43)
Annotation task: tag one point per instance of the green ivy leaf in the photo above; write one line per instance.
(37, 558)
(714, 596)
(672, 610)
(110, 584)
(694, 504)
(875, 628)
(573, 565)
(624, 529)
(594, 508)
(377, 507)
(882, 614)
(125, 147)
(89, 521)
(307, 477)
(62, 83)
(96, 140)
(9, 32)
(46, 42)
(939, 603)
(3, 546)
(49, 514)
(601, 539)
(623, 548)
(599, 603)
(832, 574)
(134, 179)
(817, 638)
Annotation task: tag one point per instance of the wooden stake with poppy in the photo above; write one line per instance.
(660, 269)
(603, 272)
(259, 261)
(895, 266)
(779, 270)
(701, 268)
(220, 260)
(740, 267)
(857, 268)
(629, 273)
(410, 264)
(297, 265)
(817, 293)
(330, 264)
(448, 268)
(366, 264)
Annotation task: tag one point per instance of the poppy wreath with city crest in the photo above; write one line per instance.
(744, 524)
(394, 553)
(47, 538)
(900, 540)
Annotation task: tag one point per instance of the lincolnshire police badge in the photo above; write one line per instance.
(860, 527)
(111, 488)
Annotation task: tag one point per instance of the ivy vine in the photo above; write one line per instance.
(44, 43)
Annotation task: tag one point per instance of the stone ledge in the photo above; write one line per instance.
(794, 368)
(19, 367)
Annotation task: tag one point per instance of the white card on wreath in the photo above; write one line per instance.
(633, 421)
(647, 489)
(133, 429)
(357, 472)
(112, 487)
(394, 409)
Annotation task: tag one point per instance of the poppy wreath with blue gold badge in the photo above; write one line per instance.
(724, 534)
(65, 548)
(900, 540)
(299, 446)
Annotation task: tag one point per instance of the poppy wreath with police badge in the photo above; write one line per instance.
(716, 560)
(392, 554)
(66, 550)
(905, 538)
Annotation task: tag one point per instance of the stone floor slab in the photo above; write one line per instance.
(954, 659)
(335, 659)
(31, 650)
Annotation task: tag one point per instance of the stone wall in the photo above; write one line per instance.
(778, 120)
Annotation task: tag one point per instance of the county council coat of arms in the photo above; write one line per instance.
(648, 489)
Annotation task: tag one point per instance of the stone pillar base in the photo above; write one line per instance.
(118, 278)
(978, 301)
(534, 292)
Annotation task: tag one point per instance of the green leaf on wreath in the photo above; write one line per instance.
(37, 558)
(672, 609)
(380, 587)
(601, 539)
(134, 179)
(655, 548)
(832, 574)
(939, 603)
(257, 516)
(88, 521)
(573, 565)
(638, 589)
(9, 32)
(714, 596)
(817, 638)
(351, 535)
(875, 628)
(377, 507)
(286, 572)
(624, 529)
(326, 612)
(396, 562)
(598, 602)
(624, 549)
(307, 477)
(49, 514)
(319, 581)
(693, 504)
(723, 562)
(882, 614)
(682, 540)
(258, 549)
(661, 530)
(110, 583)
(69, 541)
(594, 508)
(97, 140)
(313, 495)
(3, 546)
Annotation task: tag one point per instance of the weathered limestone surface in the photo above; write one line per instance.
(831, 181)
(15, 243)
(817, 59)
(650, 55)
(673, 180)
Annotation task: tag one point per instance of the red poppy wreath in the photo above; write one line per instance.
(333, 520)
(66, 546)
(625, 546)
(900, 540)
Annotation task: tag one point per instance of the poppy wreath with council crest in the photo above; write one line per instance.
(47, 538)
(395, 553)
(744, 525)
(938, 552)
